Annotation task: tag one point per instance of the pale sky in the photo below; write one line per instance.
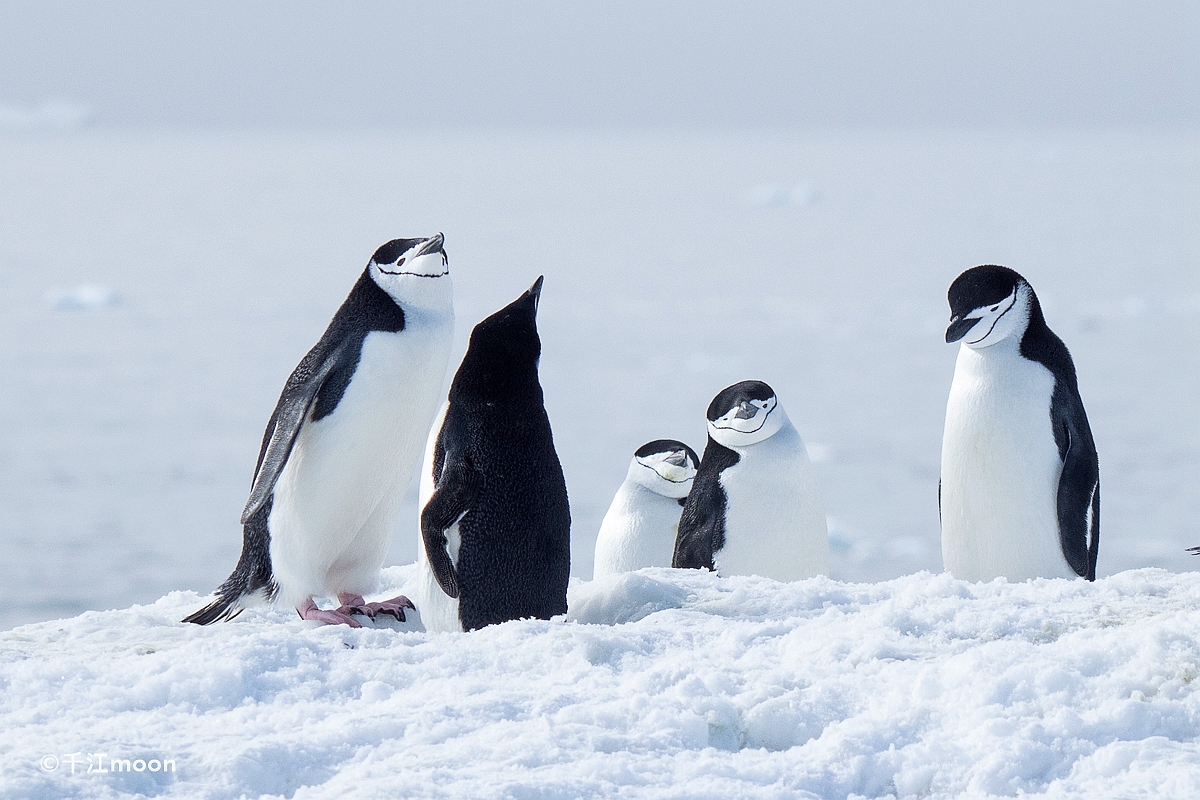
(352, 65)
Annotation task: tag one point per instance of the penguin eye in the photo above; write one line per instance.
(401, 261)
(993, 308)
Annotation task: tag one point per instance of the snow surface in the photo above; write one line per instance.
(659, 683)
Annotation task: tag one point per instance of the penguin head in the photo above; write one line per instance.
(745, 414)
(988, 304)
(666, 467)
(414, 272)
(504, 349)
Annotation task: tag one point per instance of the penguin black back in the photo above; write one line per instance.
(497, 475)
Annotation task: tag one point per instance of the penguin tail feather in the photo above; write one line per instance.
(252, 575)
(230, 597)
(220, 609)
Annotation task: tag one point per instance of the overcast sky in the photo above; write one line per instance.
(598, 64)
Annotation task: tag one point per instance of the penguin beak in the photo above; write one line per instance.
(678, 458)
(535, 292)
(959, 328)
(433, 245)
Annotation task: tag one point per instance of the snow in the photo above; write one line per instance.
(659, 683)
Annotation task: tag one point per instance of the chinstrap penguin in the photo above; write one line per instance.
(640, 527)
(343, 441)
(755, 507)
(495, 541)
(1020, 489)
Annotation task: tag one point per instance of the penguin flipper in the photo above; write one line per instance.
(1078, 487)
(450, 501)
(297, 398)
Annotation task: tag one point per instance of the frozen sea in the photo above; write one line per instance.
(158, 288)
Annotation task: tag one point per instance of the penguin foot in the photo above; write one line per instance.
(308, 610)
(393, 608)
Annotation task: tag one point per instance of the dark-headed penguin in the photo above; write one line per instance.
(495, 541)
(640, 527)
(343, 442)
(1020, 488)
(755, 507)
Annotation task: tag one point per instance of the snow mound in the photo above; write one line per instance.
(682, 685)
(624, 597)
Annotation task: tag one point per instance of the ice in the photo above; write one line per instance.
(83, 297)
(50, 115)
(782, 195)
(659, 683)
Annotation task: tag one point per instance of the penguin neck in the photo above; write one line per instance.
(1042, 345)
(637, 494)
(776, 423)
(422, 300)
(494, 386)
(1036, 343)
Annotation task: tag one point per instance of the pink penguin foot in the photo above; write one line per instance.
(308, 610)
(392, 608)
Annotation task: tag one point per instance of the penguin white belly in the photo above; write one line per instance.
(774, 516)
(342, 466)
(1000, 471)
(638, 531)
(439, 611)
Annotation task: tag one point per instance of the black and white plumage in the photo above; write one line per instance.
(755, 507)
(1020, 487)
(343, 442)
(642, 522)
(495, 540)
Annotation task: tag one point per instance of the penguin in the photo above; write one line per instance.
(343, 442)
(1019, 496)
(755, 507)
(640, 527)
(495, 524)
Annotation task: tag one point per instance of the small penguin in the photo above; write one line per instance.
(755, 507)
(343, 442)
(640, 527)
(1020, 489)
(495, 541)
